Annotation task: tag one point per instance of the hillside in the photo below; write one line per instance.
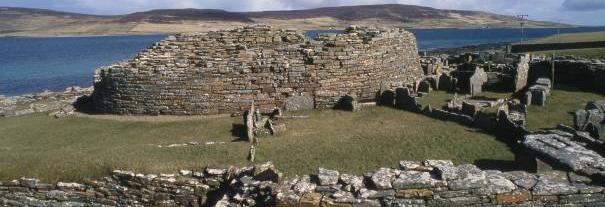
(38, 22)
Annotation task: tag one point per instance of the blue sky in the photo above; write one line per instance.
(584, 12)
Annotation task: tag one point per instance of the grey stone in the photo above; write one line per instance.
(299, 102)
(416, 180)
(266, 172)
(546, 187)
(29, 182)
(304, 185)
(328, 177)
(356, 182)
(383, 178)
(566, 151)
(445, 169)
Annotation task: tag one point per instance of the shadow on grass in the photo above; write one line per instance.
(524, 160)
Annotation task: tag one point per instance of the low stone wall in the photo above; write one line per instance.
(225, 71)
(585, 74)
(414, 183)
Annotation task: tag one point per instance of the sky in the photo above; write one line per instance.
(581, 12)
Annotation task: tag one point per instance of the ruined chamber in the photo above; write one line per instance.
(225, 71)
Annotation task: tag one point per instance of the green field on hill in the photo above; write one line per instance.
(77, 148)
(574, 37)
(571, 37)
(598, 53)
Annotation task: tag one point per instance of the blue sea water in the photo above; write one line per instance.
(30, 65)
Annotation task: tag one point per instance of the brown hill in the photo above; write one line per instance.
(39, 22)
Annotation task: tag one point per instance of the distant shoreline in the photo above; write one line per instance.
(85, 35)
(42, 35)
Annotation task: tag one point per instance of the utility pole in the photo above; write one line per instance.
(522, 18)
(558, 37)
(552, 70)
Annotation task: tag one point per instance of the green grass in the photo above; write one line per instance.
(436, 99)
(573, 37)
(79, 148)
(598, 53)
(563, 101)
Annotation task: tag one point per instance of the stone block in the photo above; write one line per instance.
(424, 87)
(414, 193)
(513, 198)
(328, 177)
(311, 200)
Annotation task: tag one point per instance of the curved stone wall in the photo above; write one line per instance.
(224, 71)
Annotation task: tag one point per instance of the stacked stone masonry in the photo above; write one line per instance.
(414, 183)
(224, 71)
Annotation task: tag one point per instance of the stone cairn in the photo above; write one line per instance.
(429, 183)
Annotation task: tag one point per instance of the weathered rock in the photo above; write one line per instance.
(548, 187)
(445, 169)
(414, 193)
(416, 180)
(512, 198)
(304, 185)
(328, 177)
(562, 149)
(310, 200)
(356, 182)
(383, 178)
(266, 172)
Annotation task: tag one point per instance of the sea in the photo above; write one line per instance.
(31, 65)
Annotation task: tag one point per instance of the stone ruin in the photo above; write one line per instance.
(223, 72)
(473, 73)
(588, 75)
(537, 93)
(592, 119)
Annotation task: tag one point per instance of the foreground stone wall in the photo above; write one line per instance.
(428, 183)
(224, 71)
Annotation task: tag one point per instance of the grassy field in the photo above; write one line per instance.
(77, 148)
(574, 37)
(598, 53)
(559, 105)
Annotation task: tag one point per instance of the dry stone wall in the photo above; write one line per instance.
(224, 71)
(414, 183)
(588, 75)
